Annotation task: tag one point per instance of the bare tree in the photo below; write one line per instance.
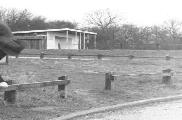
(19, 20)
(105, 23)
(102, 19)
(173, 27)
(3, 12)
(16, 19)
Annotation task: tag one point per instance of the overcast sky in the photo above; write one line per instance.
(138, 12)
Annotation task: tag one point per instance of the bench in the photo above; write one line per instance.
(11, 90)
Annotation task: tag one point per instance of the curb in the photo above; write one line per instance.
(118, 106)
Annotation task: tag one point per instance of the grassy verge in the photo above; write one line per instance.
(137, 79)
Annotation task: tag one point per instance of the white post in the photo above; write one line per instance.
(83, 40)
(88, 40)
(67, 35)
(80, 40)
(95, 42)
(76, 39)
(67, 39)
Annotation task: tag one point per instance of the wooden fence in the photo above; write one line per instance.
(33, 42)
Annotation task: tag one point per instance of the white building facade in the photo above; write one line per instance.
(62, 38)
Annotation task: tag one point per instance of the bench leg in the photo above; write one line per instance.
(10, 97)
(62, 88)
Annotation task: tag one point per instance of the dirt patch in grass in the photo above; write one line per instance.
(136, 79)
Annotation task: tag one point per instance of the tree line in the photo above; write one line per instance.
(112, 33)
(22, 20)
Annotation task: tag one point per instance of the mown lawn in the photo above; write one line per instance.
(136, 79)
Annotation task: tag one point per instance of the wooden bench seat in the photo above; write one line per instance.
(11, 90)
(34, 85)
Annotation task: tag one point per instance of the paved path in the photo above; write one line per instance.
(162, 111)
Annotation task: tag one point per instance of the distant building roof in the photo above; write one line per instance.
(55, 30)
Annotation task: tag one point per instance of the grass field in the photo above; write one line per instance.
(136, 79)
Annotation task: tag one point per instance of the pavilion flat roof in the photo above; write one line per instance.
(54, 30)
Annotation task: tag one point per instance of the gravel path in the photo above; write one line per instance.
(162, 111)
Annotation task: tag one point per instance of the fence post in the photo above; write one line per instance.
(99, 56)
(131, 57)
(166, 78)
(69, 56)
(168, 57)
(10, 96)
(41, 55)
(107, 81)
(62, 88)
